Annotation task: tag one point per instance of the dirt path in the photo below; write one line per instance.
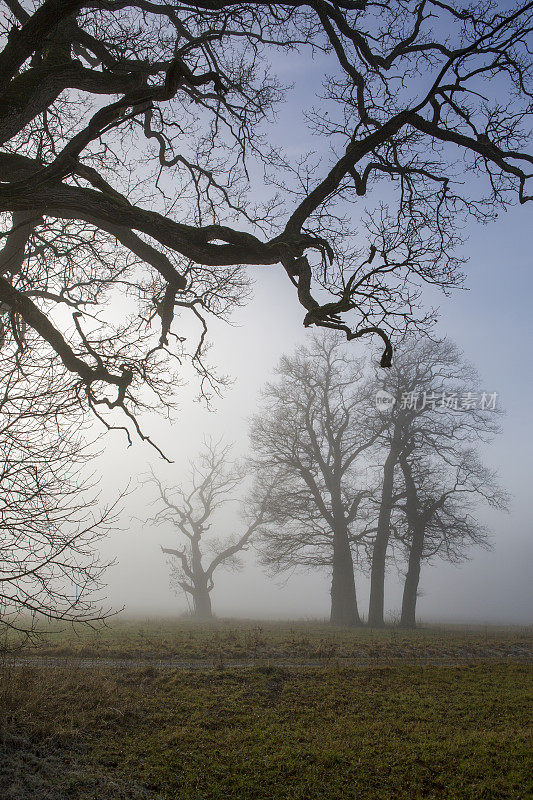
(514, 654)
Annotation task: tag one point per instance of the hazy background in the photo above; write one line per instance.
(490, 322)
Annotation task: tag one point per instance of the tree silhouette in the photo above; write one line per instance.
(191, 512)
(441, 510)
(134, 136)
(311, 432)
(429, 439)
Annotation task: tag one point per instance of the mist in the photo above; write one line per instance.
(489, 322)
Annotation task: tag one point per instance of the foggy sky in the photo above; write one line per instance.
(491, 324)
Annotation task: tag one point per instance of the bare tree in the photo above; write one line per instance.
(132, 133)
(434, 412)
(191, 510)
(441, 513)
(50, 521)
(311, 432)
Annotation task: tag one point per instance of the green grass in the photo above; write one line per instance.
(241, 640)
(275, 730)
(265, 733)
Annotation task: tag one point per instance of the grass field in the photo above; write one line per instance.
(389, 731)
(241, 640)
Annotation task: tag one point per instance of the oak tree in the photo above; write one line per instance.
(191, 510)
(135, 154)
(441, 513)
(312, 432)
(434, 422)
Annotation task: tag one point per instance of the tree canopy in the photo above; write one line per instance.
(359, 481)
(192, 511)
(312, 432)
(138, 181)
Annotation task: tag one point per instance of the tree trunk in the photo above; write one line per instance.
(381, 542)
(202, 604)
(417, 524)
(200, 595)
(343, 596)
(412, 577)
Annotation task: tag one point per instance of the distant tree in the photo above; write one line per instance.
(191, 511)
(441, 511)
(433, 418)
(50, 518)
(311, 431)
(133, 134)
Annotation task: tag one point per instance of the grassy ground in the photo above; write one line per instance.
(299, 719)
(241, 640)
(265, 733)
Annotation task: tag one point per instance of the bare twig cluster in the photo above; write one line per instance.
(132, 132)
(50, 521)
(191, 511)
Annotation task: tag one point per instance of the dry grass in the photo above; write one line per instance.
(265, 733)
(243, 640)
